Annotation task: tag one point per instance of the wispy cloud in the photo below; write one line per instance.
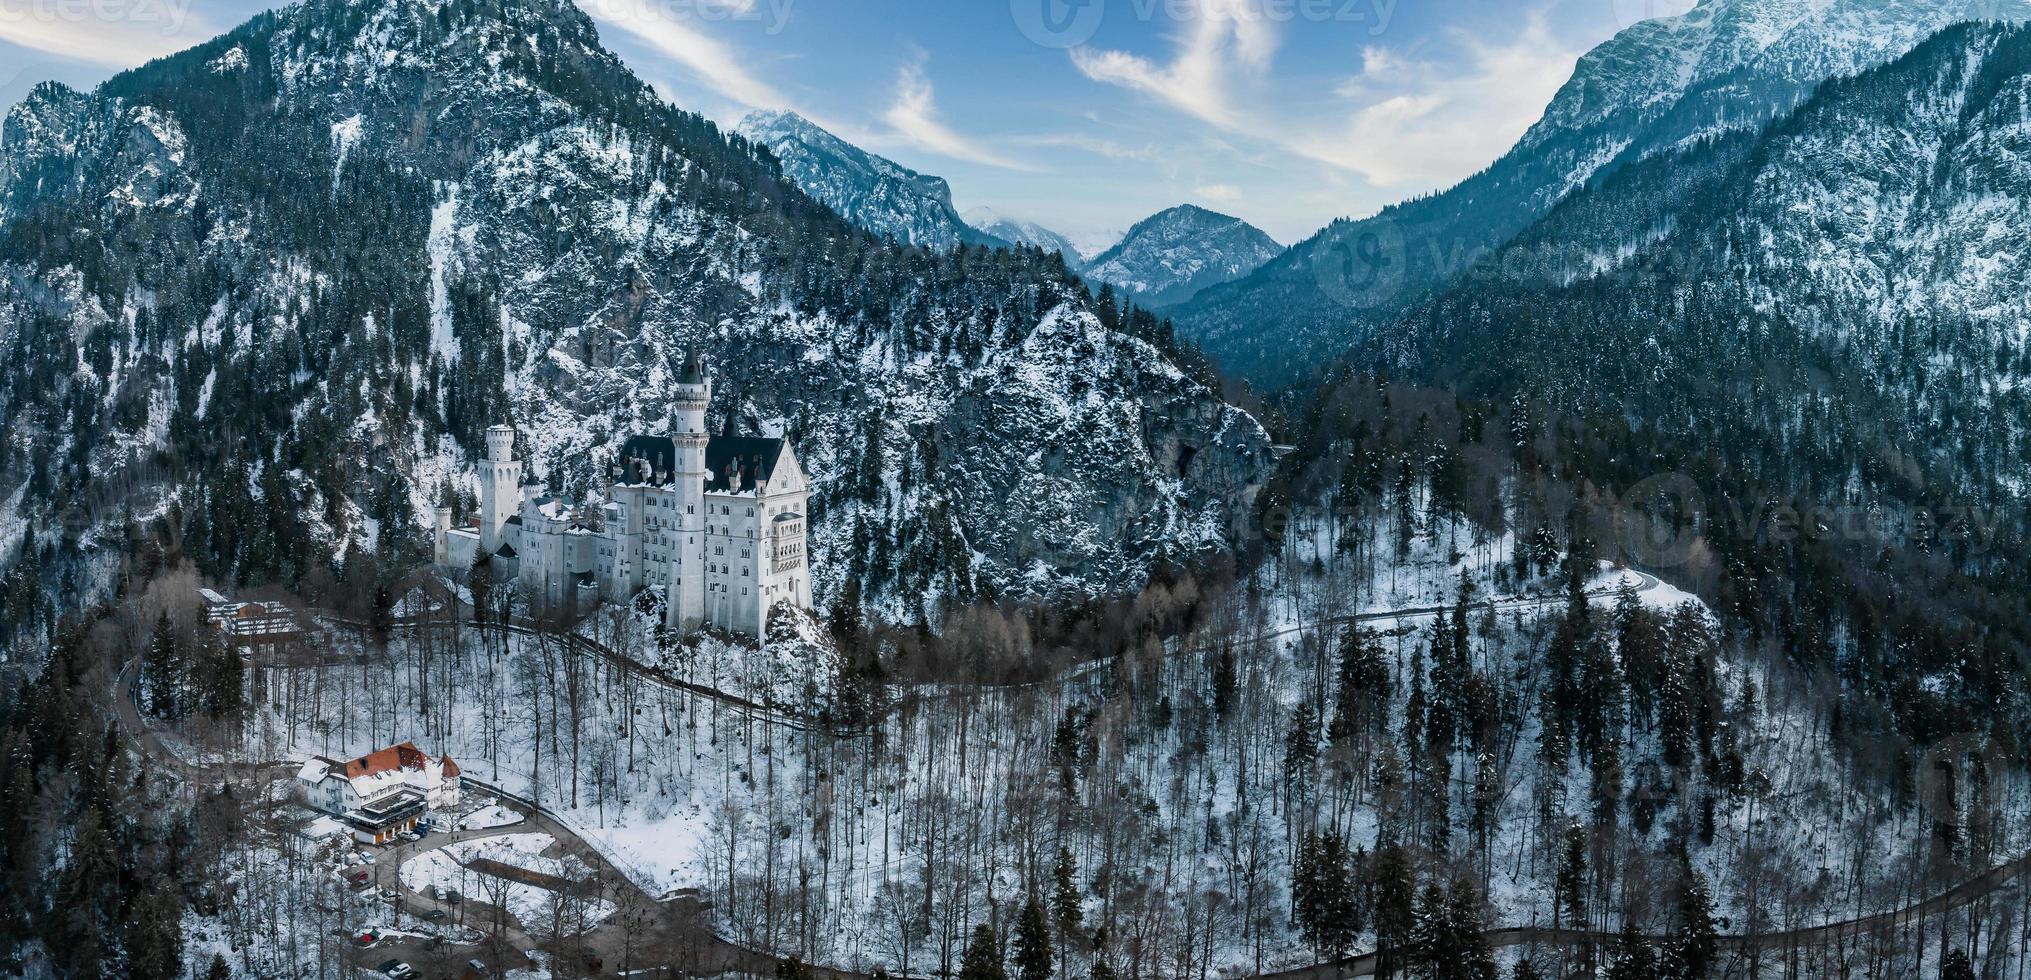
(106, 38)
(1221, 193)
(1098, 146)
(913, 117)
(1199, 78)
(715, 64)
(1415, 123)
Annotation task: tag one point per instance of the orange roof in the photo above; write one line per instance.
(450, 767)
(404, 756)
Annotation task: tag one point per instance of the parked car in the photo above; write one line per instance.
(398, 970)
(409, 835)
(477, 968)
(390, 894)
(452, 897)
(434, 915)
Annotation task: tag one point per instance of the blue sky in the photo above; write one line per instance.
(1085, 115)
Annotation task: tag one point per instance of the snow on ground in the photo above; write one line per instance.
(491, 815)
(678, 790)
(448, 867)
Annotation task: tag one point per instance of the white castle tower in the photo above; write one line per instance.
(500, 487)
(685, 605)
(715, 522)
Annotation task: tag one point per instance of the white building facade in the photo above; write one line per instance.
(714, 523)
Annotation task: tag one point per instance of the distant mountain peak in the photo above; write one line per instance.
(867, 189)
(1170, 256)
(1018, 231)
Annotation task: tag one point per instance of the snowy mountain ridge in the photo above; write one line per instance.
(1659, 84)
(871, 191)
(1017, 231)
(1170, 256)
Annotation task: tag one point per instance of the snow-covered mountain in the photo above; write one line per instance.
(1170, 256)
(871, 191)
(1725, 65)
(1838, 301)
(1017, 231)
(193, 344)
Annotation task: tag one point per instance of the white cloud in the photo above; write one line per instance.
(1418, 124)
(913, 117)
(1198, 80)
(1223, 193)
(715, 64)
(1108, 149)
(110, 42)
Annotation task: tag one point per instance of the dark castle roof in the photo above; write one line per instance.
(660, 453)
(740, 462)
(731, 462)
(694, 370)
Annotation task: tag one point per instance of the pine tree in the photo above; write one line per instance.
(1695, 941)
(1224, 682)
(218, 970)
(1569, 902)
(165, 675)
(1634, 959)
(1392, 891)
(1033, 943)
(1956, 966)
(1336, 916)
(982, 959)
(154, 933)
(1300, 758)
(1065, 898)
(1447, 942)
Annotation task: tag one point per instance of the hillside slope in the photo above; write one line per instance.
(264, 295)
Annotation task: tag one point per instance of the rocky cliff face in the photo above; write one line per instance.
(266, 294)
(872, 191)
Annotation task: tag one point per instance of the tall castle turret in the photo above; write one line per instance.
(500, 487)
(685, 608)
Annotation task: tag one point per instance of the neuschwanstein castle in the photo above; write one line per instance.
(715, 522)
